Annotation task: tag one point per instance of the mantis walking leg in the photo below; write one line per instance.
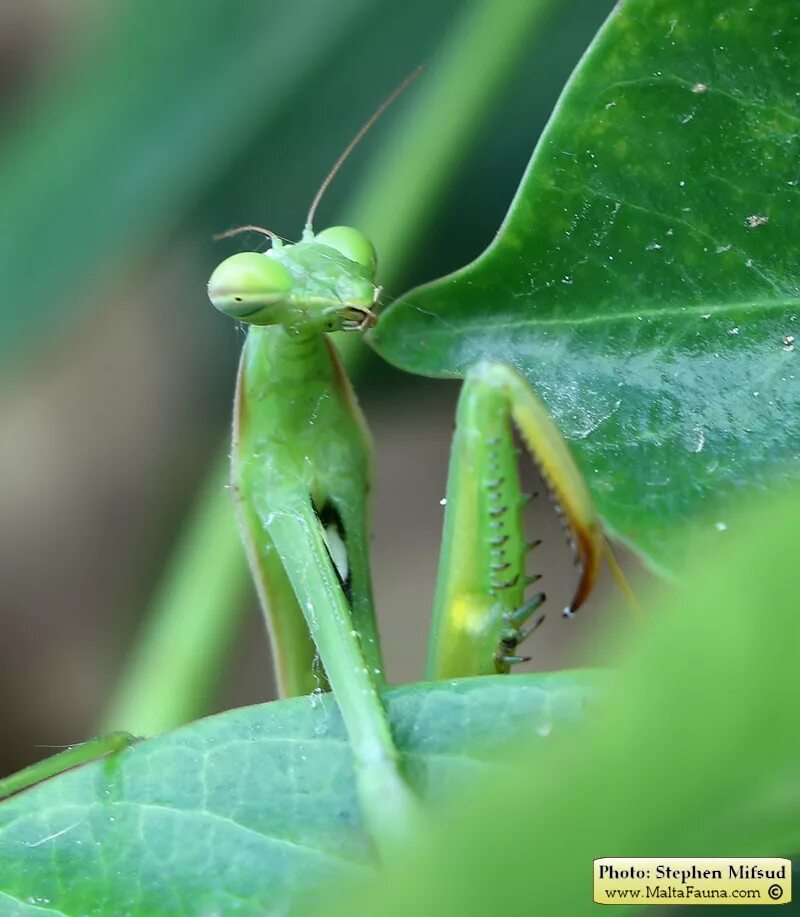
(71, 757)
(479, 611)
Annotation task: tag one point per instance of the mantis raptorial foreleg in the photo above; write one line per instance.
(480, 616)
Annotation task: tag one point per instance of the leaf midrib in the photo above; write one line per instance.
(600, 318)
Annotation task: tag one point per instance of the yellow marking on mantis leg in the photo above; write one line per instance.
(469, 613)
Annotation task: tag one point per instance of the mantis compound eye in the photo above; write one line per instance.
(352, 244)
(244, 286)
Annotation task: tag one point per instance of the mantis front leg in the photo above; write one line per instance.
(301, 472)
(480, 615)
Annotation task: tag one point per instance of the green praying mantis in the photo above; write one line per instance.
(301, 472)
(301, 475)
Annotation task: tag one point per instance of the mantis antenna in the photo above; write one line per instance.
(235, 232)
(357, 139)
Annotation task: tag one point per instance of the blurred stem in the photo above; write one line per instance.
(196, 612)
(405, 181)
(173, 669)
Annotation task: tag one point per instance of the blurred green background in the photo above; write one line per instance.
(130, 133)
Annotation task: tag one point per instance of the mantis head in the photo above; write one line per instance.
(324, 283)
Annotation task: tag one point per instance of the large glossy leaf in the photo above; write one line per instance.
(645, 279)
(241, 812)
(695, 752)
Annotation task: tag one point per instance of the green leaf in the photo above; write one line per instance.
(242, 811)
(644, 279)
(695, 751)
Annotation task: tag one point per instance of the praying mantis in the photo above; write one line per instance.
(301, 474)
(301, 471)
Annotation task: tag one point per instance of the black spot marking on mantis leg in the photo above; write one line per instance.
(336, 543)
